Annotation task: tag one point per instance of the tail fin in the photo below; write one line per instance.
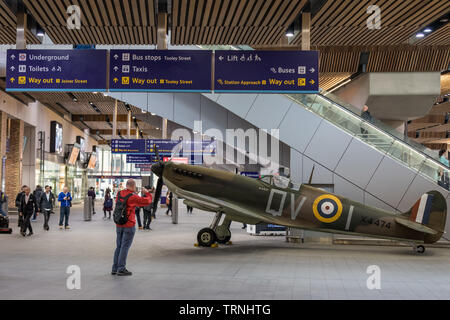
(431, 211)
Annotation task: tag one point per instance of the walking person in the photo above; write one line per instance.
(28, 206)
(152, 192)
(107, 204)
(37, 193)
(66, 202)
(2, 202)
(46, 205)
(138, 217)
(189, 209)
(91, 193)
(18, 204)
(169, 203)
(148, 212)
(125, 233)
(443, 178)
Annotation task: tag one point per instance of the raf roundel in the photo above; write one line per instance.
(327, 208)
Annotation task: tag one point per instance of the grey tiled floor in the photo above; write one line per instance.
(166, 265)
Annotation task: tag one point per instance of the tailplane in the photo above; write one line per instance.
(429, 215)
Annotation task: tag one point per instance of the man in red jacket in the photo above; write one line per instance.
(125, 233)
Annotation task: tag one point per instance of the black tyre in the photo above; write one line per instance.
(206, 237)
(420, 249)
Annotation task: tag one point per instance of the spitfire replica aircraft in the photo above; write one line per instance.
(276, 200)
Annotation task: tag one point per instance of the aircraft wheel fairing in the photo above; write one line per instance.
(206, 237)
(224, 240)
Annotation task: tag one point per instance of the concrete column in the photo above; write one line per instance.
(21, 40)
(164, 128)
(14, 160)
(3, 134)
(29, 158)
(114, 132)
(162, 45)
(162, 31)
(129, 125)
(306, 31)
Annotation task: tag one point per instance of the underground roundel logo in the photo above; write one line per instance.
(327, 208)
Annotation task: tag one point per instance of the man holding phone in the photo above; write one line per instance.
(125, 233)
(66, 202)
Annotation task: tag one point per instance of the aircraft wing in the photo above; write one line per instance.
(214, 204)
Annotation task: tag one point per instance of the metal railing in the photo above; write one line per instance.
(415, 156)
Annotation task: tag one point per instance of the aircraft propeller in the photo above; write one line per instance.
(158, 169)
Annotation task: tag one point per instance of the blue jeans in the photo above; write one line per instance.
(64, 216)
(124, 240)
(3, 213)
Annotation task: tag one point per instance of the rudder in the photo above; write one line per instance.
(430, 210)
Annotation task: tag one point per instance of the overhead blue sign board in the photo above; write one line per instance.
(250, 174)
(56, 70)
(266, 71)
(141, 151)
(129, 146)
(193, 150)
(139, 158)
(160, 70)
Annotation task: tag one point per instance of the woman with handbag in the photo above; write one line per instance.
(107, 204)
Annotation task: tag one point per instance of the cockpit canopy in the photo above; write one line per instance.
(280, 182)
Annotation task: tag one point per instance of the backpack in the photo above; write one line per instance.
(120, 211)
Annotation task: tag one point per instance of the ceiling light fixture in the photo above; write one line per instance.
(427, 30)
(420, 35)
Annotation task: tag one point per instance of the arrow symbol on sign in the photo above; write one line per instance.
(12, 80)
(13, 57)
(116, 80)
(116, 57)
(220, 58)
(116, 68)
(312, 70)
(312, 82)
(12, 68)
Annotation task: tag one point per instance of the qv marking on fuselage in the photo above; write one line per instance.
(279, 211)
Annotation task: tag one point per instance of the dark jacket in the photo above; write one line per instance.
(91, 193)
(38, 194)
(108, 203)
(47, 204)
(27, 208)
(367, 116)
(19, 200)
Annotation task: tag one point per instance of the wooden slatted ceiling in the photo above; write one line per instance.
(438, 37)
(344, 22)
(8, 26)
(215, 22)
(103, 21)
(409, 59)
(329, 80)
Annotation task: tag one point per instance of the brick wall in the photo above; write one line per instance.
(13, 180)
(3, 132)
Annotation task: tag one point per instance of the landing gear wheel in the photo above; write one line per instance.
(206, 237)
(420, 249)
(224, 240)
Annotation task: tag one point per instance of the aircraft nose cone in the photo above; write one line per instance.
(157, 169)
